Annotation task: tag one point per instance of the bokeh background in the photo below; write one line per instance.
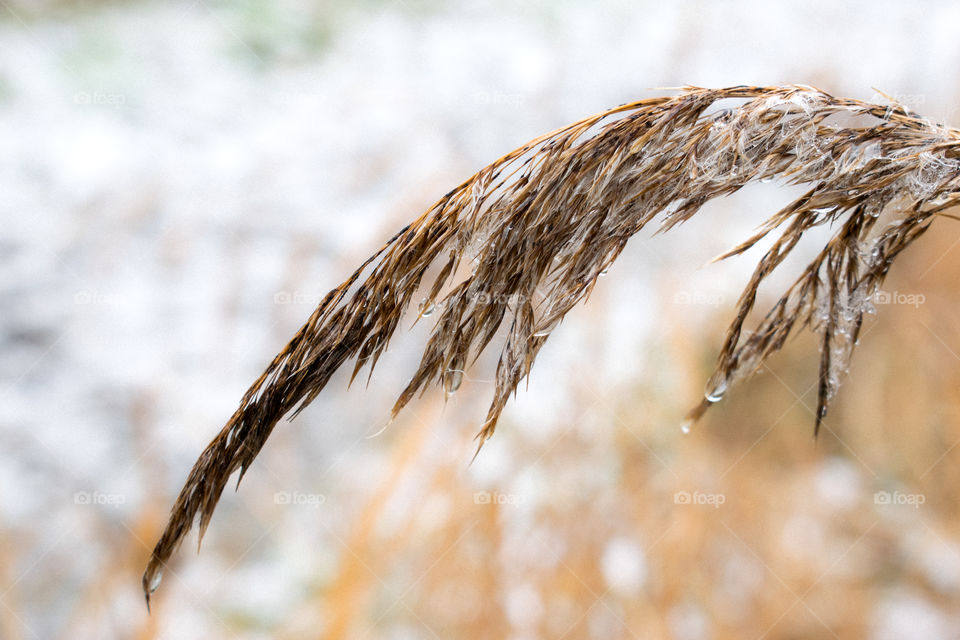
(181, 182)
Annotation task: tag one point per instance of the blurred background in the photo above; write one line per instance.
(180, 183)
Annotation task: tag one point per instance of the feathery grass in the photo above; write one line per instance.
(539, 225)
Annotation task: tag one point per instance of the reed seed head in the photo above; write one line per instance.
(539, 226)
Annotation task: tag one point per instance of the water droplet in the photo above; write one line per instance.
(871, 151)
(426, 307)
(155, 581)
(716, 387)
(604, 271)
(685, 426)
(545, 329)
(452, 380)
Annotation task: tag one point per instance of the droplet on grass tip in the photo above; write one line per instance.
(716, 387)
(154, 583)
(452, 380)
(426, 307)
(545, 328)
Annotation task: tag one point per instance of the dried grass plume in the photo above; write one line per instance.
(522, 241)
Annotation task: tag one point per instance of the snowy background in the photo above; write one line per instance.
(180, 183)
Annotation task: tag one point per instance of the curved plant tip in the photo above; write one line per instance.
(534, 230)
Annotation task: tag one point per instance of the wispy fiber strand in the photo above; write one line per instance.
(521, 242)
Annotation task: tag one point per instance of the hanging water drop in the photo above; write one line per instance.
(716, 387)
(545, 329)
(452, 380)
(426, 307)
(604, 271)
(155, 581)
(685, 426)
